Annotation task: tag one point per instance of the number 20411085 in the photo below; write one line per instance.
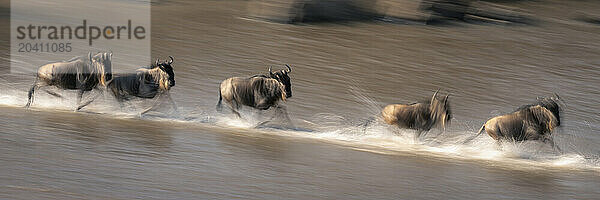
(45, 47)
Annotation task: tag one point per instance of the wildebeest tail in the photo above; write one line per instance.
(219, 105)
(478, 133)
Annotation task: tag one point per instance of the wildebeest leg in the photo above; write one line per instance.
(79, 97)
(552, 144)
(172, 102)
(418, 135)
(278, 110)
(557, 147)
(435, 138)
(118, 98)
(31, 95)
(540, 148)
(499, 144)
(236, 113)
(53, 93)
(219, 106)
(283, 110)
(367, 123)
(234, 107)
(156, 102)
(89, 101)
(122, 104)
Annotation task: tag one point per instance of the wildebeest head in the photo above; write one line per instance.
(102, 63)
(440, 110)
(283, 77)
(550, 103)
(167, 68)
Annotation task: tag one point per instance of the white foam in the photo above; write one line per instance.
(6, 99)
(568, 159)
(376, 137)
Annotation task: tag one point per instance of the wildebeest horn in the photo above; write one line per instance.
(157, 61)
(270, 72)
(289, 68)
(171, 61)
(556, 96)
(560, 99)
(434, 94)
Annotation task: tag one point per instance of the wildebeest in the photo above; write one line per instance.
(529, 122)
(153, 81)
(80, 73)
(258, 91)
(419, 116)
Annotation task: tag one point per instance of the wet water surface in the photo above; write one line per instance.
(342, 75)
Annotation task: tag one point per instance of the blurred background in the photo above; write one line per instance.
(349, 59)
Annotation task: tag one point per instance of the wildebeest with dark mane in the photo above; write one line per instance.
(419, 116)
(529, 122)
(259, 91)
(80, 73)
(153, 81)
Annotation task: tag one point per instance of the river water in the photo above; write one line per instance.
(343, 74)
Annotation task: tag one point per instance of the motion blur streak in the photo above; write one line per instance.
(343, 75)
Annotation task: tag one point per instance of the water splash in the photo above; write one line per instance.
(375, 136)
